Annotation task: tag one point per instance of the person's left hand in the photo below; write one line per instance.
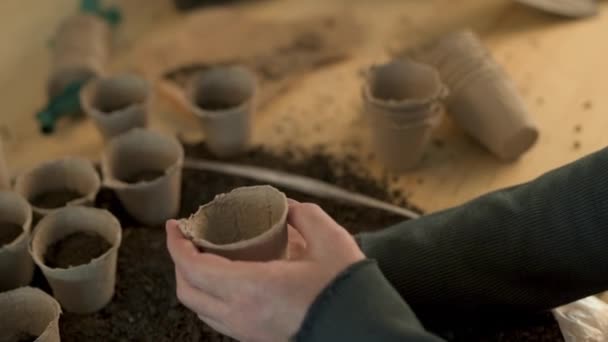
(263, 301)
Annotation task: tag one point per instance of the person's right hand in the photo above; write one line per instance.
(263, 301)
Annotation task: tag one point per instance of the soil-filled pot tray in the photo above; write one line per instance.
(145, 307)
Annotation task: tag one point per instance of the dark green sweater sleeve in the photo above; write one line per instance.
(361, 306)
(527, 248)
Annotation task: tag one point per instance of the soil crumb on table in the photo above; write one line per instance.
(75, 249)
(145, 307)
(54, 199)
(144, 176)
(9, 232)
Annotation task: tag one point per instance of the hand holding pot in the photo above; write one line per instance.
(263, 301)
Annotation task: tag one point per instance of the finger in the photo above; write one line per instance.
(180, 248)
(296, 247)
(198, 301)
(291, 201)
(315, 226)
(207, 272)
(217, 326)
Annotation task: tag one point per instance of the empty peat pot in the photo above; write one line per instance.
(483, 100)
(16, 265)
(402, 101)
(223, 99)
(55, 184)
(89, 285)
(117, 104)
(29, 314)
(144, 168)
(5, 178)
(247, 223)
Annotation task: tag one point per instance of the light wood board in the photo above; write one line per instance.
(559, 66)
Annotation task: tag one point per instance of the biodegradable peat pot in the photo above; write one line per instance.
(5, 177)
(247, 223)
(27, 313)
(224, 100)
(117, 104)
(144, 168)
(80, 51)
(402, 102)
(55, 184)
(16, 265)
(567, 8)
(87, 287)
(483, 99)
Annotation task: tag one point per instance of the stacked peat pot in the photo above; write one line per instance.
(80, 52)
(483, 100)
(117, 104)
(402, 102)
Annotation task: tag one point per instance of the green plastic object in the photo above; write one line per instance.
(111, 14)
(65, 104)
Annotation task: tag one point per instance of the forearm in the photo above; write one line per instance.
(360, 305)
(526, 248)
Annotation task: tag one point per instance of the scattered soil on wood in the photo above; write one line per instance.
(9, 232)
(75, 249)
(54, 199)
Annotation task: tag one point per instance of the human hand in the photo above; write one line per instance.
(263, 301)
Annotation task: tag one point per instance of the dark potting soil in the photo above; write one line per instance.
(54, 199)
(144, 176)
(24, 337)
(145, 307)
(9, 232)
(75, 249)
(215, 105)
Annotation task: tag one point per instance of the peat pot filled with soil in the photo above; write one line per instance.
(27, 314)
(117, 104)
(16, 266)
(248, 223)
(76, 248)
(59, 183)
(223, 98)
(144, 168)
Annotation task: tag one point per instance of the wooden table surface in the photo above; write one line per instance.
(559, 66)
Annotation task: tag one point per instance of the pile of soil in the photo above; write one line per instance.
(54, 199)
(24, 337)
(75, 249)
(9, 232)
(145, 307)
(144, 176)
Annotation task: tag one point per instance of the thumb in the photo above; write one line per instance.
(317, 228)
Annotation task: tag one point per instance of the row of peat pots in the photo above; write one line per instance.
(404, 101)
(76, 245)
